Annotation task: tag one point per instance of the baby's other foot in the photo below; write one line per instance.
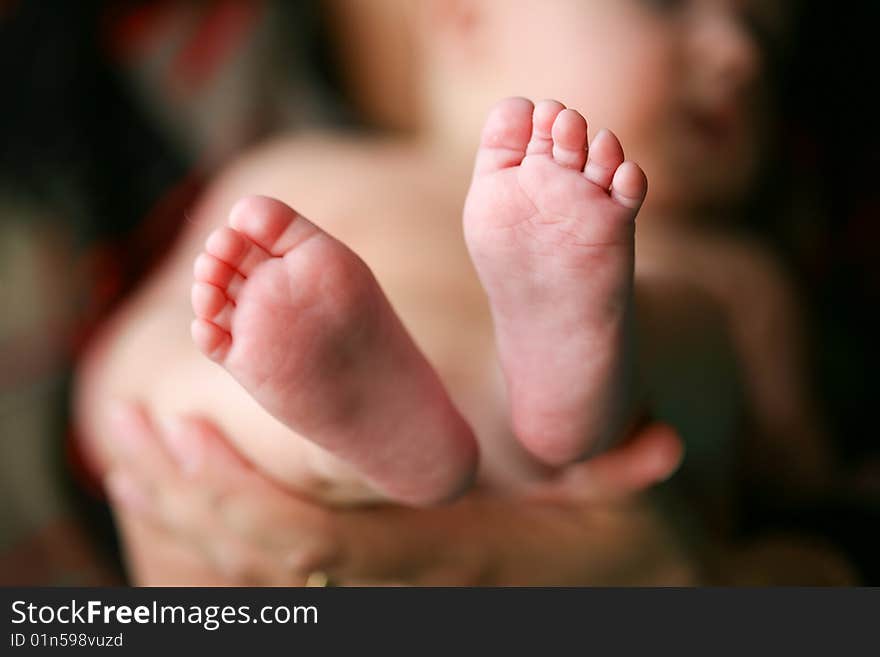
(299, 320)
(549, 224)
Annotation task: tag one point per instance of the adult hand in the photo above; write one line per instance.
(192, 511)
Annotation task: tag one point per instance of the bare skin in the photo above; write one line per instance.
(455, 337)
(192, 511)
(298, 319)
(635, 66)
(301, 323)
(550, 225)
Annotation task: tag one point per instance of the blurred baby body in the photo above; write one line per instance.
(679, 82)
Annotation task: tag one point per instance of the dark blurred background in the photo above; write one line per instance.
(114, 114)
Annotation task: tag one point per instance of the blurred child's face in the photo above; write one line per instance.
(679, 81)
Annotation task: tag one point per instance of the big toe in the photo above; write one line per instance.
(505, 135)
(272, 225)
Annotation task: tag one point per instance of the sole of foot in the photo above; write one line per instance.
(549, 222)
(302, 324)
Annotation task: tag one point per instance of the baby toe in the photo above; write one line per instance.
(543, 117)
(629, 185)
(272, 225)
(570, 139)
(505, 135)
(211, 340)
(208, 269)
(235, 249)
(606, 155)
(212, 304)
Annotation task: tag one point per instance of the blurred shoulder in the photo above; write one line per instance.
(326, 177)
(309, 170)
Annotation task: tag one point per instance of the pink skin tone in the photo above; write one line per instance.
(678, 82)
(194, 512)
(299, 320)
(549, 224)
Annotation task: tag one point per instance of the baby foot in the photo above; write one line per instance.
(299, 320)
(549, 224)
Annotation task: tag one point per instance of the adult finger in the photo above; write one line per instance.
(651, 456)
